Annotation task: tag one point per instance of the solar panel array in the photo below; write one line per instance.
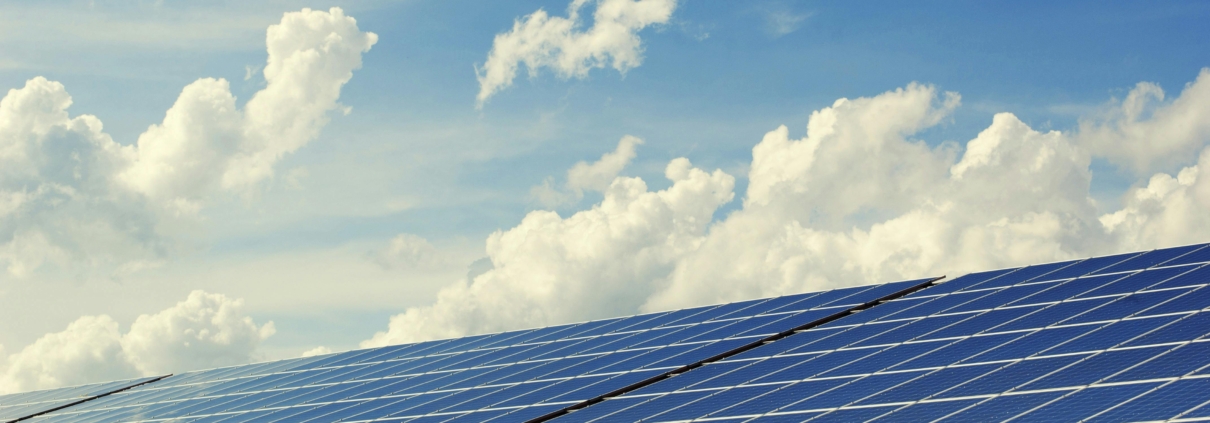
(1116, 338)
(18, 406)
(512, 376)
(1099, 338)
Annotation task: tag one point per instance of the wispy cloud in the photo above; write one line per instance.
(781, 20)
(543, 41)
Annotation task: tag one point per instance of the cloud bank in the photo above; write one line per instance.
(203, 331)
(70, 194)
(857, 200)
(591, 263)
(542, 41)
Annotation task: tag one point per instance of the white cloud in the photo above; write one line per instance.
(539, 40)
(58, 202)
(320, 350)
(591, 264)
(89, 350)
(1166, 211)
(205, 330)
(205, 142)
(408, 251)
(597, 176)
(71, 196)
(856, 159)
(1147, 134)
(584, 176)
(857, 200)
(782, 22)
(987, 212)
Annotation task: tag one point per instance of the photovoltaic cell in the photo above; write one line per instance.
(925, 411)
(1004, 407)
(1111, 338)
(1201, 255)
(1087, 402)
(1149, 259)
(1158, 404)
(1091, 266)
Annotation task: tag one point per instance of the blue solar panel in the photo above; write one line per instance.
(1092, 266)
(855, 414)
(1004, 407)
(1087, 402)
(990, 346)
(925, 411)
(1158, 404)
(1150, 259)
(1201, 255)
(23, 405)
(1107, 339)
(504, 376)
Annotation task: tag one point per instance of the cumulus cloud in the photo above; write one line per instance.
(1167, 210)
(1145, 133)
(857, 200)
(856, 159)
(584, 176)
(205, 330)
(320, 350)
(58, 201)
(589, 264)
(70, 195)
(312, 54)
(89, 350)
(988, 211)
(408, 251)
(539, 40)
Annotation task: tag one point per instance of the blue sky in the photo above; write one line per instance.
(415, 156)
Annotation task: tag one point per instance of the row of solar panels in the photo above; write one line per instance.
(1115, 338)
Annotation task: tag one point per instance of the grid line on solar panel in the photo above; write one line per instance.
(1081, 328)
(1066, 390)
(248, 382)
(1127, 392)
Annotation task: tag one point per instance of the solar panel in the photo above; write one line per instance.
(1112, 338)
(511, 376)
(21, 406)
(1055, 342)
